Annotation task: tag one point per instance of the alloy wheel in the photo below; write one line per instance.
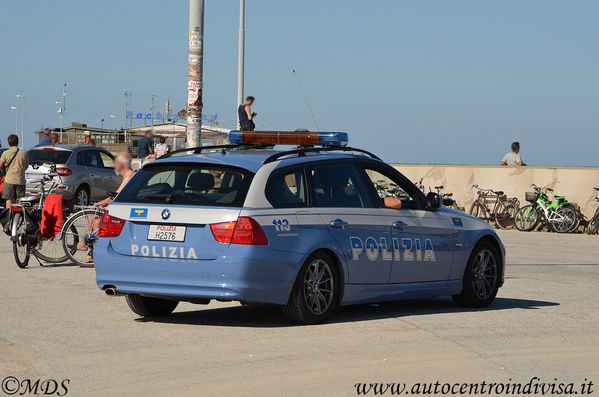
(484, 273)
(318, 287)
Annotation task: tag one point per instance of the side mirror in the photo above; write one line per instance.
(433, 201)
(447, 202)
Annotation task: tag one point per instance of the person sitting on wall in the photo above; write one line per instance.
(513, 158)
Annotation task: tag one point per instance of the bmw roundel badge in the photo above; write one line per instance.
(166, 213)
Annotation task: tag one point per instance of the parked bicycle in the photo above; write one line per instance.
(454, 204)
(593, 226)
(561, 216)
(504, 209)
(25, 226)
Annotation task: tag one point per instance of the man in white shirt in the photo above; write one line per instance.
(513, 158)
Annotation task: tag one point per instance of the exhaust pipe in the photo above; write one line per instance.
(111, 291)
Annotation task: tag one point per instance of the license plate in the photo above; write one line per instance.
(167, 233)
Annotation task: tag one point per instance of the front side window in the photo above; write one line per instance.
(339, 185)
(188, 184)
(387, 186)
(287, 189)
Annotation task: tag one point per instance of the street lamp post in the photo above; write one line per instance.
(194, 73)
(22, 120)
(112, 116)
(102, 123)
(127, 94)
(16, 118)
(241, 55)
(61, 111)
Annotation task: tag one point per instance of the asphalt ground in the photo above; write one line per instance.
(56, 324)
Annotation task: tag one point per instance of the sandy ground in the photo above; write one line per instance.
(55, 323)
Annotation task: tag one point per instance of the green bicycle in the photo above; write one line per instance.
(562, 216)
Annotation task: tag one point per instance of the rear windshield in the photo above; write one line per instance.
(48, 156)
(188, 184)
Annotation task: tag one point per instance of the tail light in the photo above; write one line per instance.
(16, 208)
(243, 231)
(110, 226)
(64, 171)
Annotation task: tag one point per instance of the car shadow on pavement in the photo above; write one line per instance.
(271, 316)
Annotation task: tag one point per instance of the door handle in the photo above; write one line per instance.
(399, 225)
(339, 224)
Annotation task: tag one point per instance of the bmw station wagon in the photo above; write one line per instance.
(306, 229)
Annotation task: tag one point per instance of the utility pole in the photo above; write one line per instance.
(241, 55)
(194, 73)
(152, 115)
(127, 93)
(63, 108)
(22, 120)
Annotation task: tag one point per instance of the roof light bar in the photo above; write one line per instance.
(339, 139)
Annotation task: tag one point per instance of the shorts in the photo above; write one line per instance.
(12, 192)
(248, 127)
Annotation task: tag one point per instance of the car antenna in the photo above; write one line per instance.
(299, 83)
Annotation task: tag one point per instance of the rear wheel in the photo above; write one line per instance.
(481, 277)
(315, 294)
(505, 215)
(51, 250)
(593, 226)
(527, 218)
(147, 307)
(478, 210)
(20, 245)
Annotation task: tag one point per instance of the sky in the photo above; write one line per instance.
(449, 82)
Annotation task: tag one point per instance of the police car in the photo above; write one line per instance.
(304, 228)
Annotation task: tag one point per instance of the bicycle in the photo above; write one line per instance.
(593, 226)
(454, 203)
(504, 208)
(561, 216)
(25, 226)
(82, 234)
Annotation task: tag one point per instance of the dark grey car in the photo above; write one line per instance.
(86, 172)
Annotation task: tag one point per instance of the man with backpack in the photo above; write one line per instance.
(13, 162)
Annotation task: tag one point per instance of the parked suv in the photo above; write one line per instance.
(87, 172)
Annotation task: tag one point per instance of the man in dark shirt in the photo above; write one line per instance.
(145, 146)
(246, 117)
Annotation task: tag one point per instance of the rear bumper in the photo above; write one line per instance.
(246, 273)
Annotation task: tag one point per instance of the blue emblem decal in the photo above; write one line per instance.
(166, 213)
(457, 222)
(139, 213)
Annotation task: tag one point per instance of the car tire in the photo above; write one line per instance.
(82, 191)
(150, 307)
(313, 291)
(480, 281)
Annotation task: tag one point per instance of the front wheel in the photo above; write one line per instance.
(20, 244)
(593, 226)
(315, 294)
(478, 210)
(527, 218)
(80, 235)
(566, 220)
(149, 307)
(481, 277)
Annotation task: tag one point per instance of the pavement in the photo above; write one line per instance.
(56, 324)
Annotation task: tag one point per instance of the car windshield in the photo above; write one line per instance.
(48, 156)
(188, 184)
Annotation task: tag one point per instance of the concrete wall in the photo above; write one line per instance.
(576, 183)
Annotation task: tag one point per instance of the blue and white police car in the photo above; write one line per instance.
(306, 229)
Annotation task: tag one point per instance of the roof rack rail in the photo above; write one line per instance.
(200, 149)
(302, 152)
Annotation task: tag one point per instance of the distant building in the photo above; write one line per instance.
(115, 141)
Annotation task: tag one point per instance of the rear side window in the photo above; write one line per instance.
(188, 184)
(49, 156)
(339, 185)
(287, 189)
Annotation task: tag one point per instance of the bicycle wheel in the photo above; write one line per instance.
(527, 218)
(566, 220)
(593, 226)
(505, 215)
(50, 250)
(478, 210)
(80, 236)
(20, 246)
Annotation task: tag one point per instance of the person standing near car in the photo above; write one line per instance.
(145, 146)
(161, 148)
(14, 162)
(246, 117)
